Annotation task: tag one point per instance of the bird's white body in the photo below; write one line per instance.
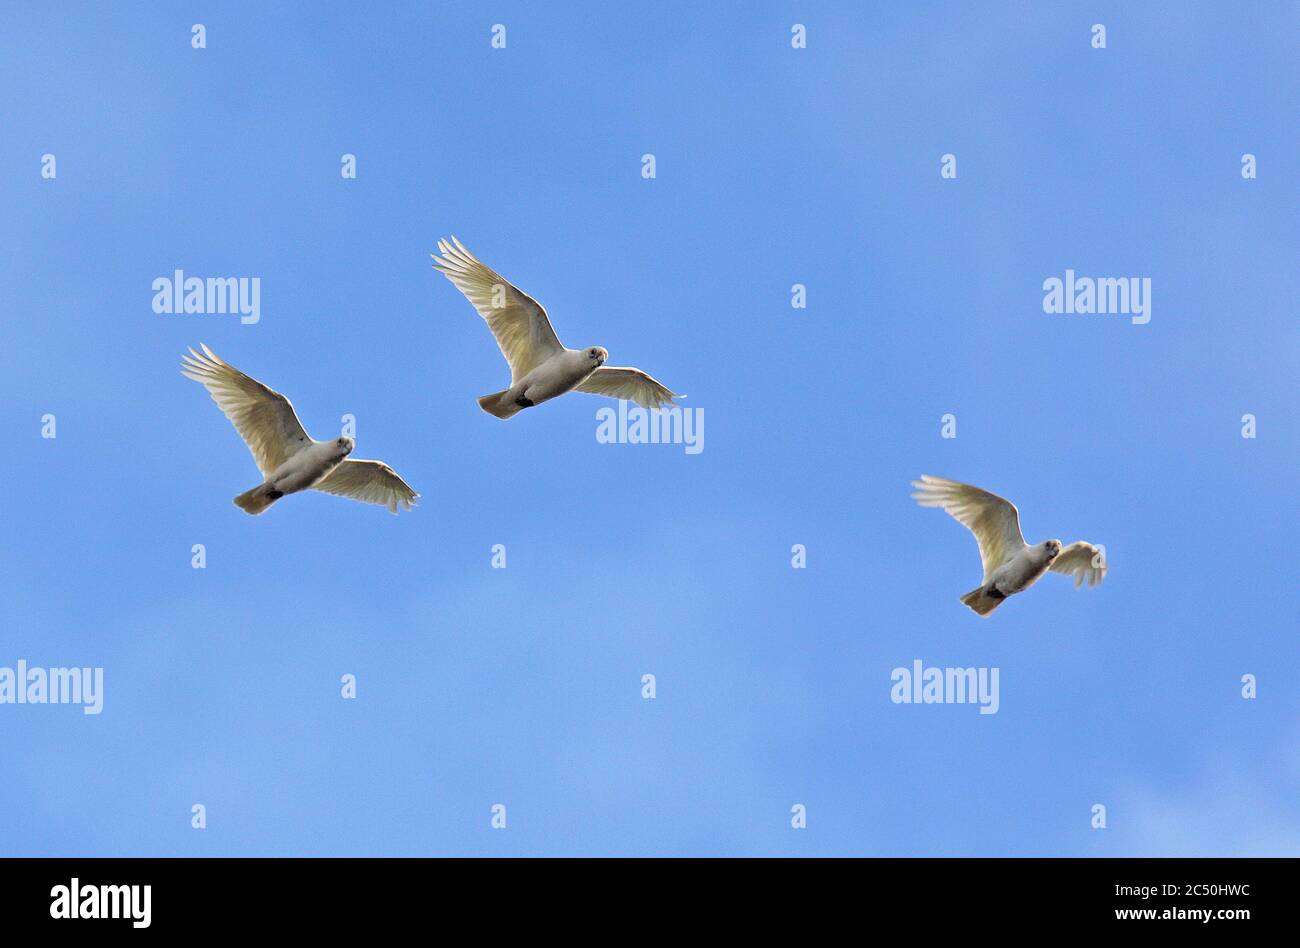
(1022, 570)
(309, 466)
(561, 373)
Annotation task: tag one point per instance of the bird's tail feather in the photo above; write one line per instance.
(496, 404)
(981, 602)
(258, 499)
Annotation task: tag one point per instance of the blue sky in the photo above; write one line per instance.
(775, 166)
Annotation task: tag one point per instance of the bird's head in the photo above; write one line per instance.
(597, 355)
(345, 445)
(1052, 548)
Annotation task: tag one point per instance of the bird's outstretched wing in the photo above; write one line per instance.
(994, 521)
(519, 323)
(1082, 559)
(371, 482)
(263, 417)
(631, 384)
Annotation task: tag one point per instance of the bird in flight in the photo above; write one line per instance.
(1010, 565)
(541, 368)
(289, 459)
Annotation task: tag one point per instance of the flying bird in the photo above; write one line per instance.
(289, 459)
(1010, 564)
(541, 368)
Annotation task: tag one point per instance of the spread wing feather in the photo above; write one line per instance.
(522, 329)
(994, 520)
(1082, 560)
(263, 417)
(371, 482)
(630, 384)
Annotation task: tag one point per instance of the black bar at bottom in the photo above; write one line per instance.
(332, 896)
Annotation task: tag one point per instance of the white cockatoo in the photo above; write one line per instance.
(289, 459)
(1010, 564)
(540, 367)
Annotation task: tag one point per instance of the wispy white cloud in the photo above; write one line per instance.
(1231, 807)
